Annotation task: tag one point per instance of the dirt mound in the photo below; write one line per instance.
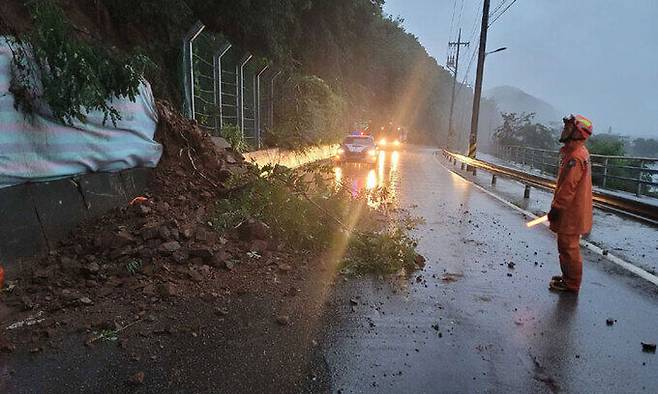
(159, 246)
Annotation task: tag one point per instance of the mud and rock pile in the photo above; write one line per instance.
(159, 246)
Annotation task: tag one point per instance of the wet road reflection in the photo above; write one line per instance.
(369, 178)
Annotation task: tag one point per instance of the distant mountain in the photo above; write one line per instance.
(511, 99)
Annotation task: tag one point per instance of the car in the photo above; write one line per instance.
(392, 140)
(357, 148)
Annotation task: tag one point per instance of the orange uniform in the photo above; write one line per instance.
(573, 203)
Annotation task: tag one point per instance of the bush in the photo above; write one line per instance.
(309, 212)
(384, 253)
(233, 135)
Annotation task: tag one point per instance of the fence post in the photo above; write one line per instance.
(188, 69)
(217, 63)
(243, 63)
(259, 122)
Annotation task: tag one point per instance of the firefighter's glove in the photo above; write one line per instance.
(553, 215)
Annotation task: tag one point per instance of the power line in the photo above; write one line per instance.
(497, 8)
(452, 19)
(501, 13)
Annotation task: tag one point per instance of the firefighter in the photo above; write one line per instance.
(571, 210)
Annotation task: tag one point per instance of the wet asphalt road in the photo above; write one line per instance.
(469, 322)
(466, 323)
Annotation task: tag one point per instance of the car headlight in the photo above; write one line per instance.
(397, 142)
(372, 152)
(341, 151)
(382, 141)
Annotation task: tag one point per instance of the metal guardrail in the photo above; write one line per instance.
(631, 174)
(630, 206)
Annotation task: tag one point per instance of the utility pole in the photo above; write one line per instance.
(453, 65)
(473, 140)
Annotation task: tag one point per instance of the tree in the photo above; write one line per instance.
(606, 144)
(520, 130)
(645, 147)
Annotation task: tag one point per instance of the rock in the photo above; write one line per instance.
(122, 239)
(204, 253)
(253, 229)
(78, 249)
(149, 290)
(164, 233)
(285, 268)
(167, 290)
(201, 235)
(219, 257)
(143, 209)
(283, 320)
(27, 303)
(205, 270)
(92, 268)
(169, 247)
(610, 322)
(220, 145)
(116, 253)
(648, 347)
(221, 311)
(420, 261)
(511, 265)
(187, 233)
(195, 276)
(69, 295)
(230, 159)
(259, 246)
(150, 233)
(43, 273)
(180, 256)
(6, 346)
(136, 379)
(86, 301)
(354, 301)
(229, 265)
(69, 265)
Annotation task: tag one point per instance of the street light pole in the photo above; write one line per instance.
(472, 143)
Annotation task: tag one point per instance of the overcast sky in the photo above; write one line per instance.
(594, 57)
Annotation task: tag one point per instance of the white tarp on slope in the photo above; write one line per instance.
(39, 148)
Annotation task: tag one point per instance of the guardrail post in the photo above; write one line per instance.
(493, 180)
(638, 192)
(605, 173)
(526, 192)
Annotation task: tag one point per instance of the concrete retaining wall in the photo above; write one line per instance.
(34, 217)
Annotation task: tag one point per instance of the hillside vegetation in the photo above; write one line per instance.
(373, 69)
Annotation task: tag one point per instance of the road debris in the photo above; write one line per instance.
(136, 379)
(649, 347)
